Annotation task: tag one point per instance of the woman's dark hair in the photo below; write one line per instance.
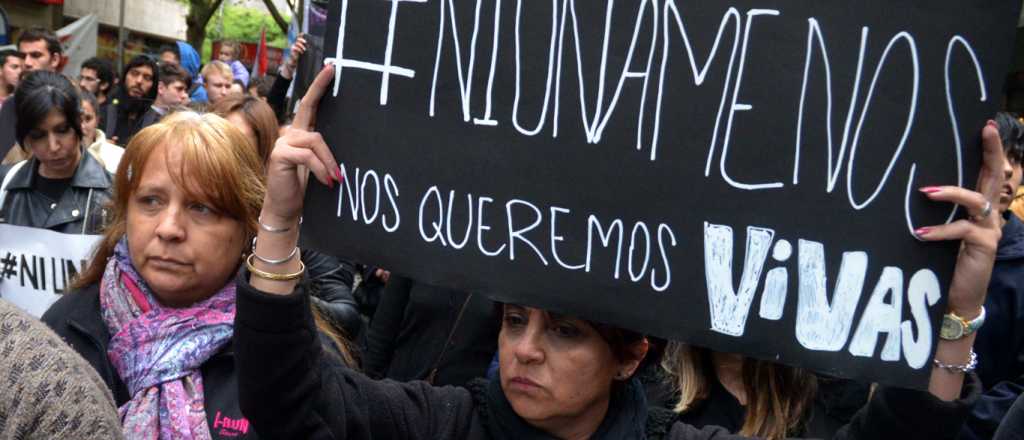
(87, 96)
(619, 339)
(40, 92)
(1011, 131)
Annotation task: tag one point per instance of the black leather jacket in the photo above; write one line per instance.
(81, 209)
(331, 282)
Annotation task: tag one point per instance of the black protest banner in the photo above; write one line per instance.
(737, 174)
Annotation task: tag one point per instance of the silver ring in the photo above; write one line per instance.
(985, 212)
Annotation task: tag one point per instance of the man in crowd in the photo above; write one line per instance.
(42, 51)
(171, 92)
(169, 55)
(10, 72)
(97, 76)
(218, 77)
(134, 97)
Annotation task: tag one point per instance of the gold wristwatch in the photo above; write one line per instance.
(955, 327)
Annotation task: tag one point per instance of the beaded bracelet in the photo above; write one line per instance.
(274, 276)
(970, 366)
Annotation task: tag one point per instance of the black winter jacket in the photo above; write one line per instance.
(76, 318)
(412, 324)
(287, 390)
(1000, 342)
(125, 116)
(80, 210)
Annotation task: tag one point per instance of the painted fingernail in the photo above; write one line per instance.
(992, 124)
(337, 173)
(920, 232)
(930, 189)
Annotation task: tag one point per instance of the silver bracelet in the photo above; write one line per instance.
(273, 262)
(273, 229)
(970, 366)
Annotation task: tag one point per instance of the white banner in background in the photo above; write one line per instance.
(36, 265)
(79, 42)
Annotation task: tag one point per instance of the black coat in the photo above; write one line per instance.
(332, 280)
(80, 210)
(1000, 342)
(8, 124)
(288, 390)
(76, 318)
(412, 323)
(126, 116)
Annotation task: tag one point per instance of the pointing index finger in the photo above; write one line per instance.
(990, 179)
(306, 116)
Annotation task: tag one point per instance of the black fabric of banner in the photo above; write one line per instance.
(761, 161)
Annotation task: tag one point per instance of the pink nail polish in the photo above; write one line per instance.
(920, 232)
(930, 189)
(337, 173)
(992, 124)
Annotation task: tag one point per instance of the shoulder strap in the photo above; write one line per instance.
(111, 120)
(7, 179)
(448, 342)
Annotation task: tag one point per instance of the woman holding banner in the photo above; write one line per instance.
(331, 278)
(560, 377)
(59, 187)
(154, 311)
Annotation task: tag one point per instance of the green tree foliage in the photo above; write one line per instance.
(199, 13)
(242, 24)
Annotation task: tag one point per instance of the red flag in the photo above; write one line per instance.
(261, 54)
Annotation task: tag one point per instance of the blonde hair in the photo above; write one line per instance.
(779, 397)
(217, 67)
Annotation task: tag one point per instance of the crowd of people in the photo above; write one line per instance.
(200, 317)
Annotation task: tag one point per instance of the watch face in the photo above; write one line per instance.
(951, 329)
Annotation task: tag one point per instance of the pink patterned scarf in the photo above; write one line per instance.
(158, 351)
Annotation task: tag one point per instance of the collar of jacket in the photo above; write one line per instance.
(90, 174)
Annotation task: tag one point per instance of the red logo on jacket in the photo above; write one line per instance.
(230, 427)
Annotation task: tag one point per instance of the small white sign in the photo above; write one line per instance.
(36, 265)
